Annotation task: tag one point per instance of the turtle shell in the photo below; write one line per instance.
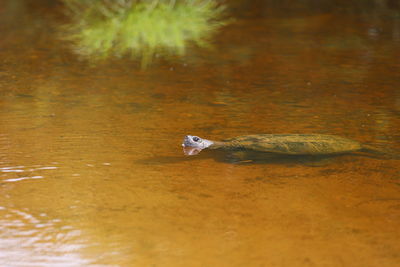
(294, 144)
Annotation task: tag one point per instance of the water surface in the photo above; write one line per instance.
(92, 171)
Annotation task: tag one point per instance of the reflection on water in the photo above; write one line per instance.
(27, 240)
(100, 29)
(91, 165)
(20, 172)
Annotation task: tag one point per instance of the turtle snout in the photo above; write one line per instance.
(187, 141)
(192, 141)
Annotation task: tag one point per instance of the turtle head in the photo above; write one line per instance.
(196, 142)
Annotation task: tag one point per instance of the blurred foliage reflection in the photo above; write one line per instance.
(99, 29)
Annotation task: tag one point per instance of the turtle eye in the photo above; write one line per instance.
(196, 139)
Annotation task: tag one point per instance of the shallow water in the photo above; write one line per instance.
(92, 171)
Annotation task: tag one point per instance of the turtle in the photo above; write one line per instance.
(281, 144)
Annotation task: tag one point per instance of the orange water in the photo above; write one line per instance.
(91, 166)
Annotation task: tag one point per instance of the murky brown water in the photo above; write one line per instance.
(92, 171)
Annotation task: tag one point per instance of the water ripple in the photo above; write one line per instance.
(12, 173)
(23, 178)
(29, 240)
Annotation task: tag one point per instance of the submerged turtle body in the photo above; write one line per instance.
(289, 144)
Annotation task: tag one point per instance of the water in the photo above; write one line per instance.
(92, 171)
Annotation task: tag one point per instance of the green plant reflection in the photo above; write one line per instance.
(100, 29)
